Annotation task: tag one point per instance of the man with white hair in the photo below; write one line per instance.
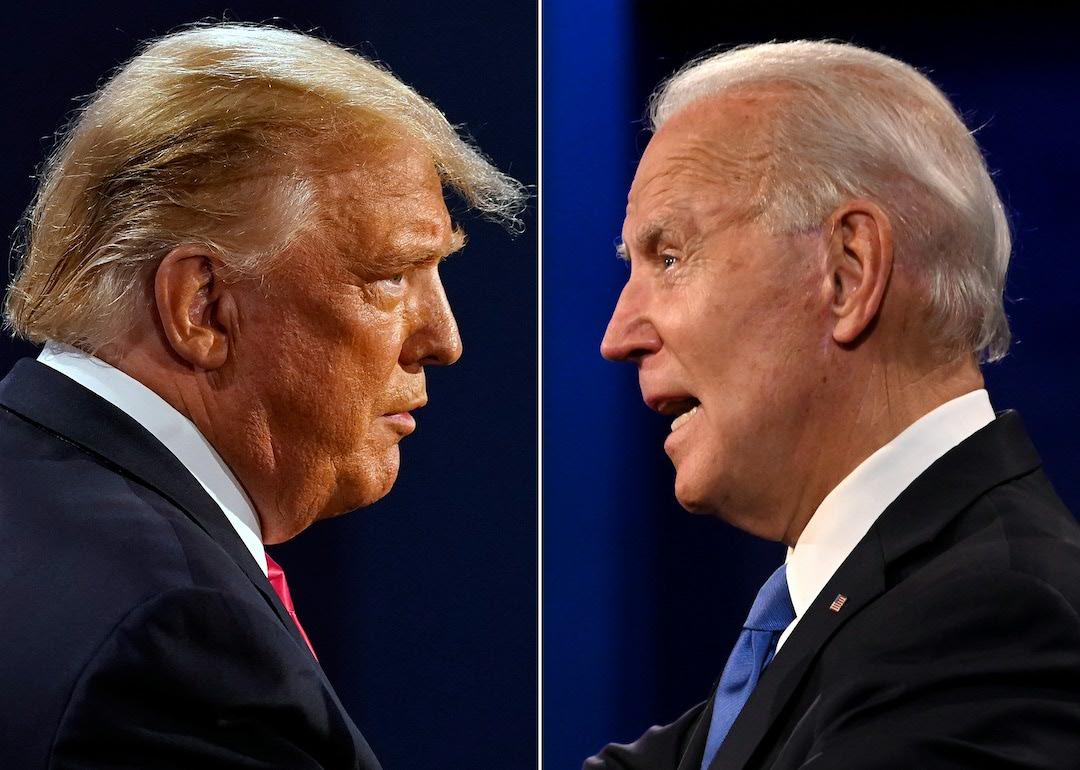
(232, 262)
(817, 261)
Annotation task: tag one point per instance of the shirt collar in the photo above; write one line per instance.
(852, 507)
(176, 432)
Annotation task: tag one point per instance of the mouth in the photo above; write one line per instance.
(685, 417)
(401, 418)
(682, 408)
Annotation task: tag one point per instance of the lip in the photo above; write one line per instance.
(666, 403)
(403, 421)
(675, 437)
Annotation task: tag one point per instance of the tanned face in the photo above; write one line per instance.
(327, 363)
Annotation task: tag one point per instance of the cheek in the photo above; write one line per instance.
(349, 355)
(367, 375)
(365, 335)
(753, 367)
(319, 398)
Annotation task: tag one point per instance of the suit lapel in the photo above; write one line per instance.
(690, 759)
(997, 453)
(53, 401)
(860, 579)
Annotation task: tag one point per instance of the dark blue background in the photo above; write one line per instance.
(422, 607)
(642, 600)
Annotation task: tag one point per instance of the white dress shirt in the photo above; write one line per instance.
(176, 432)
(851, 508)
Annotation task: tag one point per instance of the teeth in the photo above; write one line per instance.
(683, 418)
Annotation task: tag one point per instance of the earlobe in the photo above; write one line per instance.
(194, 306)
(860, 265)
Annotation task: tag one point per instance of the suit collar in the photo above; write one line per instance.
(179, 435)
(50, 400)
(846, 514)
(996, 454)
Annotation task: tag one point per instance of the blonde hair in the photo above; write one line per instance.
(210, 136)
(854, 122)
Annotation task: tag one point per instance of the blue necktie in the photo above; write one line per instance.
(771, 614)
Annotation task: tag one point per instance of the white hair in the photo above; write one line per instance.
(857, 123)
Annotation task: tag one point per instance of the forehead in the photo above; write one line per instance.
(386, 202)
(706, 160)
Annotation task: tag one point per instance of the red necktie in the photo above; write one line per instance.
(281, 588)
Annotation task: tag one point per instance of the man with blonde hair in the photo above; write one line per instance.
(817, 261)
(232, 262)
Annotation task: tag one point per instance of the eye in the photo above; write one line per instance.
(393, 281)
(669, 260)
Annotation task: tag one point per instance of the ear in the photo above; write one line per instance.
(859, 264)
(196, 308)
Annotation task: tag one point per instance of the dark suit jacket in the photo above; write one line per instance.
(958, 645)
(136, 630)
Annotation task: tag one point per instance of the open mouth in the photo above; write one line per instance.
(682, 410)
(684, 418)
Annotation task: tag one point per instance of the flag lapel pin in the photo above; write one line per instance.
(838, 602)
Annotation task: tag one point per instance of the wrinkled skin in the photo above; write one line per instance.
(325, 355)
(719, 311)
(803, 352)
(333, 357)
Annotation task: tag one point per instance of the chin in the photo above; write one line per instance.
(713, 496)
(709, 500)
(697, 485)
(691, 495)
(371, 481)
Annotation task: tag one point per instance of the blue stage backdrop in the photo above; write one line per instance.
(422, 607)
(642, 600)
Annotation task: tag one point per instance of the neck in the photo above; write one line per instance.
(196, 394)
(231, 420)
(175, 381)
(873, 410)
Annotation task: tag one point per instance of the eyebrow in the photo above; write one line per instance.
(431, 254)
(646, 238)
(458, 239)
(404, 256)
(648, 235)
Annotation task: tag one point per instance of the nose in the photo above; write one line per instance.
(434, 339)
(630, 335)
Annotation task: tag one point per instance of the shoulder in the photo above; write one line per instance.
(978, 669)
(207, 676)
(65, 513)
(986, 611)
(1005, 570)
(64, 508)
(84, 553)
(972, 653)
(1016, 540)
(1042, 535)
